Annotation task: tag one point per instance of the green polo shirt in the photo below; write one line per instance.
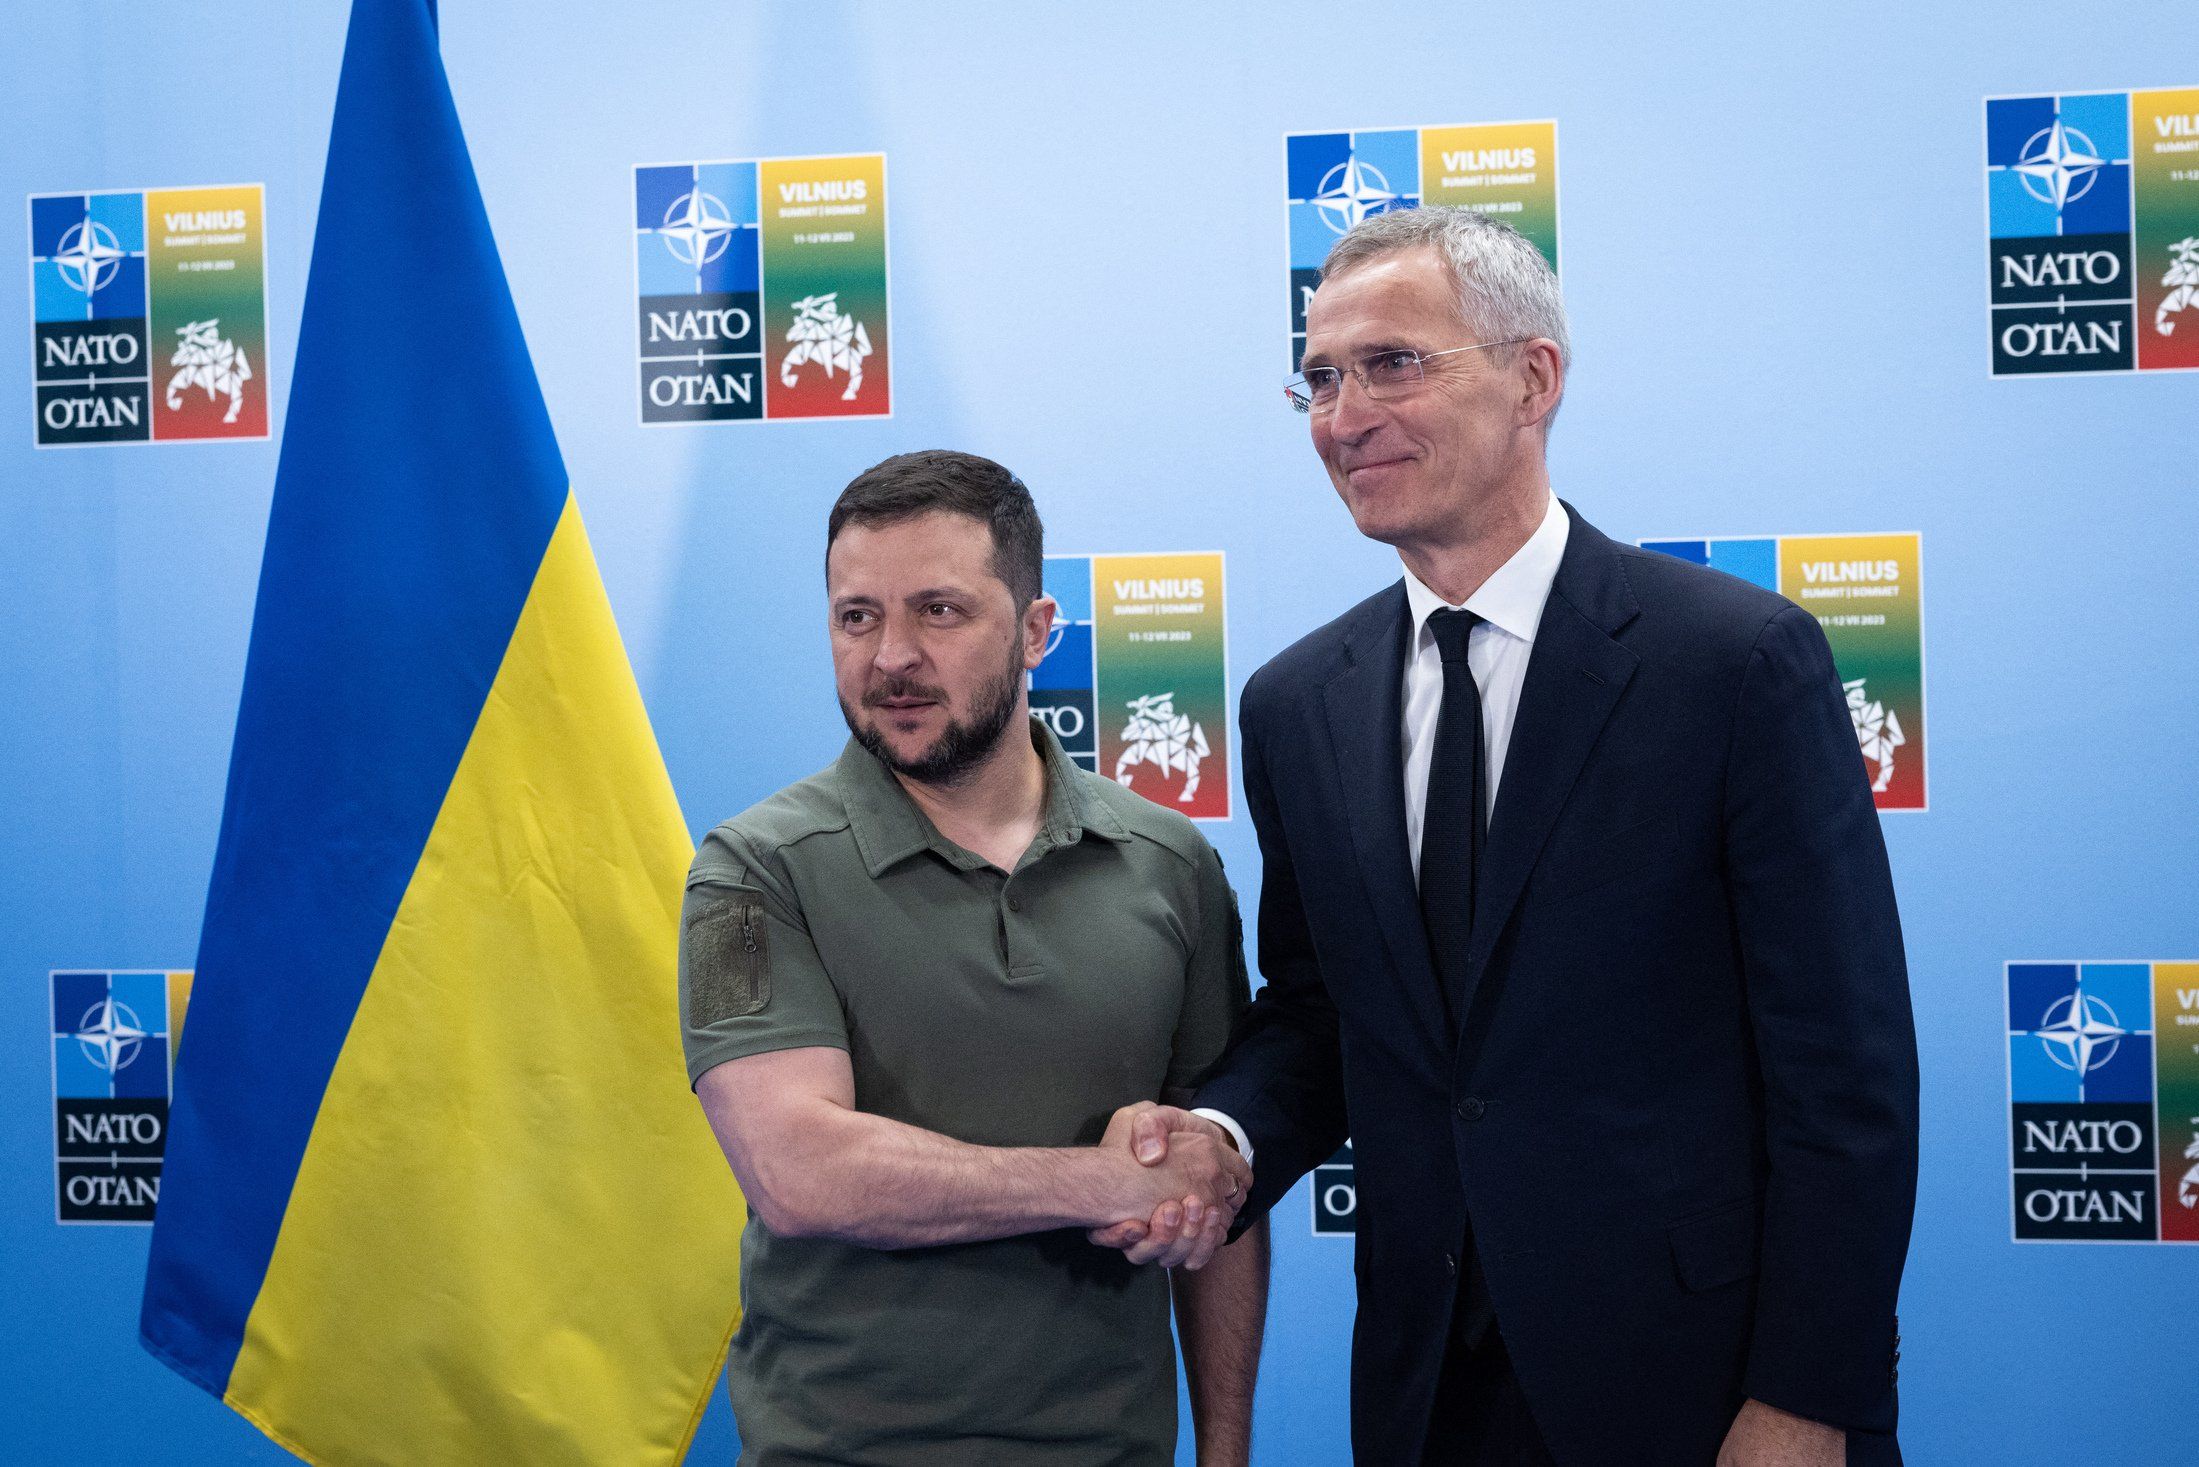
(999, 1008)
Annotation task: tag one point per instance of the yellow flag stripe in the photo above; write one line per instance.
(511, 1219)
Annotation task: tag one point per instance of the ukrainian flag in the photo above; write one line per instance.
(436, 1191)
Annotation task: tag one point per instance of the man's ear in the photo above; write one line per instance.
(1542, 380)
(1038, 624)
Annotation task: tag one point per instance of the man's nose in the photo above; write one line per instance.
(898, 652)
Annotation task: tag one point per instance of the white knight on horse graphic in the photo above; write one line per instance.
(1877, 732)
(821, 334)
(203, 359)
(2182, 281)
(1160, 736)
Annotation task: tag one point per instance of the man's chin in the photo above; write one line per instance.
(1376, 516)
(1382, 528)
(901, 746)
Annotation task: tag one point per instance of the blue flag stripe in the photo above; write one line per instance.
(418, 486)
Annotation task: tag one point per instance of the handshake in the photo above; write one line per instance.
(1175, 1179)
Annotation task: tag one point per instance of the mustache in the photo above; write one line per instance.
(899, 687)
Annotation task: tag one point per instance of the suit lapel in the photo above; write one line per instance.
(1366, 730)
(1575, 676)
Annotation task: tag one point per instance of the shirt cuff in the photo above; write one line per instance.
(1236, 1132)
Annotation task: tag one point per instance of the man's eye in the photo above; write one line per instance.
(854, 618)
(939, 609)
(1392, 366)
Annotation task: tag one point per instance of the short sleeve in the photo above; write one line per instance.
(1216, 989)
(750, 978)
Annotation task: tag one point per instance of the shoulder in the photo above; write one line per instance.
(1147, 823)
(1723, 635)
(1308, 661)
(1669, 584)
(757, 840)
(1708, 611)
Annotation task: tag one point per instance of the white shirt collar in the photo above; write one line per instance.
(1513, 596)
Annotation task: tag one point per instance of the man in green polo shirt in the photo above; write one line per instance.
(923, 990)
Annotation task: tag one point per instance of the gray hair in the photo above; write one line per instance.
(1506, 289)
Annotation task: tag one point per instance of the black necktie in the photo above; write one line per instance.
(1454, 822)
(1453, 827)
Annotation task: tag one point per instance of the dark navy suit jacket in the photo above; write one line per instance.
(1681, 1109)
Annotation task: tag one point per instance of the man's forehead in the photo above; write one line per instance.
(1393, 300)
(935, 548)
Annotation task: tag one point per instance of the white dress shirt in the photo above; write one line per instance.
(1510, 605)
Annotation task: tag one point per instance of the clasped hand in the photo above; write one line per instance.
(1190, 1183)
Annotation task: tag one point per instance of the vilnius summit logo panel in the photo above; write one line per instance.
(2103, 1101)
(1135, 679)
(1336, 179)
(115, 1035)
(2092, 202)
(762, 289)
(1867, 592)
(148, 316)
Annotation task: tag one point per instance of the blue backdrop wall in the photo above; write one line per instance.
(1774, 244)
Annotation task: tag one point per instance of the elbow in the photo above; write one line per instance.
(792, 1211)
(782, 1218)
(785, 1197)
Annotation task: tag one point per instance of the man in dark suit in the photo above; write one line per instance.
(1577, 919)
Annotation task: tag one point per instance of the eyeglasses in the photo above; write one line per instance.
(1381, 374)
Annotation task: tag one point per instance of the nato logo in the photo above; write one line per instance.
(91, 360)
(1064, 684)
(698, 268)
(1336, 1196)
(2080, 1089)
(1338, 179)
(2057, 172)
(114, 1036)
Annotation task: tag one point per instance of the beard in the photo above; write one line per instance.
(962, 745)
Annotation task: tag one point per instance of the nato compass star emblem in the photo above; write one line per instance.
(2080, 1033)
(1351, 191)
(110, 1034)
(696, 228)
(2057, 165)
(89, 256)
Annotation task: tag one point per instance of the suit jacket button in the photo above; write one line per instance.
(1469, 1109)
(1450, 1264)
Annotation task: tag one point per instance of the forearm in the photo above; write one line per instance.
(811, 1165)
(1221, 1314)
(1283, 1078)
(1819, 932)
(868, 1180)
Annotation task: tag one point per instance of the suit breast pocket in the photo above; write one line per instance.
(1597, 859)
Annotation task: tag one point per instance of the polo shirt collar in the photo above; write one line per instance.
(889, 827)
(1512, 598)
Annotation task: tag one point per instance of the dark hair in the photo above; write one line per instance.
(934, 479)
